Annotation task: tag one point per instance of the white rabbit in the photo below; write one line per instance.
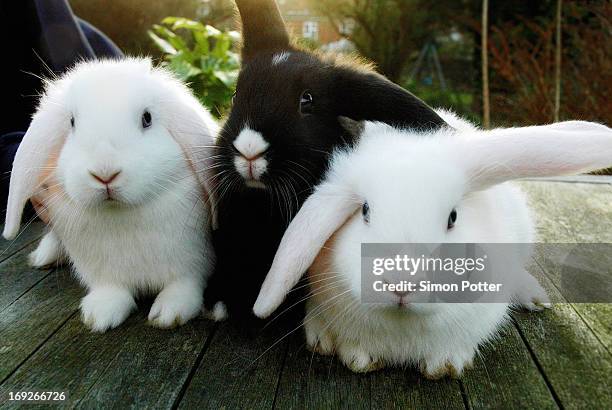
(115, 162)
(397, 186)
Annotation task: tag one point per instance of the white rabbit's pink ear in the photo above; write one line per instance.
(46, 135)
(194, 129)
(323, 213)
(563, 148)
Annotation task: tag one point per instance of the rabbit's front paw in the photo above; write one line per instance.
(218, 313)
(531, 295)
(175, 305)
(318, 337)
(358, 360)
(453, 367)
(48, 252)
(106, 308)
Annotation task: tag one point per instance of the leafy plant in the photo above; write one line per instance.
(455, 99)
(202, 56)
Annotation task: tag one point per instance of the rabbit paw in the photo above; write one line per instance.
(49, 252)
(106, 308)
(452, 367)
(358, 360)
(176, 304)
(318, 339)
(218, 313)
(532, 296)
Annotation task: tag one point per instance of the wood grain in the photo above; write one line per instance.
(314, 381)
(505, 376)
(31, 233)
(17, 277)
(32, 319)
(240, 369)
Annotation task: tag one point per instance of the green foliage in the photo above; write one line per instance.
(201, 56)
(307, 43)
(456, 100)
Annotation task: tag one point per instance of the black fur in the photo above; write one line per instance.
(252, 221)
(262, 27)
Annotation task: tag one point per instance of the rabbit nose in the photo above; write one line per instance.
(401, 294)
(254, 157)
(105, 178)
(251, 153)
(250, 144)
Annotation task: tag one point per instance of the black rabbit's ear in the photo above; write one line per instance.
(361, 95)
(263, 28)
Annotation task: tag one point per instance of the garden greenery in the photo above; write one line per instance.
(203, 57)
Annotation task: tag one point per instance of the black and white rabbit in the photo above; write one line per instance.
(291, 109)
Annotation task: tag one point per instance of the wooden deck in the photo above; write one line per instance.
(559, 358)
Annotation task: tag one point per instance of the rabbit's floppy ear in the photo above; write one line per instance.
(362, 94)
(194, 129)
(563, 148)
(263, 28)
(323, 213)
(45, 136)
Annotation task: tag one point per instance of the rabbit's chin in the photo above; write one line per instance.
(115, 199)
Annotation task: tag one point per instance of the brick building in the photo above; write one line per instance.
(304, 22)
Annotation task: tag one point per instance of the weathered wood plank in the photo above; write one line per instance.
(573, 358)
(576, 213)
(505, 376)
(571, 213)
(72, 361)
(598, 317)
(134, 365)
(150, 368)
(576, 364)
(589, 283)
(312, 381)
(407, 389)
(240, 369)
(30, 234)
(558, 209)
(572, 341)
(579, 213)
(17, 277)
(28, 322)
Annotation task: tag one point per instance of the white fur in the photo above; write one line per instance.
(412, 182)
(250, 143)
(280, 58)
(219, 312)
(48, 252)
(251, 164)
(105, 307)
(153, 236)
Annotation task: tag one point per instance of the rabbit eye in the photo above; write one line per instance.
(147, 120)
(365, 212)
(72, 121)
(452, 218)
(306, 103)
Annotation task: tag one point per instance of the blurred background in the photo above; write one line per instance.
(544, 60)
